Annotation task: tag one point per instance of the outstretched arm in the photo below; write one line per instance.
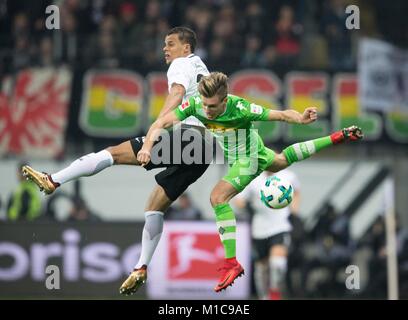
(168, 120)
(174, 98)
(292, 116)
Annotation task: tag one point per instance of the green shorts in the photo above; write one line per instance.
(244, 170)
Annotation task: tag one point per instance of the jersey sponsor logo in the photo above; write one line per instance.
(256, 109)
(217, 128)
(184, 105)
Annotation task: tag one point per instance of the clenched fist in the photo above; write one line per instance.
(143, 156)
(309, 115)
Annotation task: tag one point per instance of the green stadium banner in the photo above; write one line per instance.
(263, 88)
(111, 103)
(158, 91)
(305, 89)
(347, 108)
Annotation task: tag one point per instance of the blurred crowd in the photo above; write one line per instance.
(277, 34)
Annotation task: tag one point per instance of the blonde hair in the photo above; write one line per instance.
(214, 84)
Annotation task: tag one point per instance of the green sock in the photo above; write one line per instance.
(226, 225)
(303, 150)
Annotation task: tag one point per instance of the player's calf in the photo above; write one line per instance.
(123, 154)
(222, 193)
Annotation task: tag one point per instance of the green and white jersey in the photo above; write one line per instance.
(233, 129)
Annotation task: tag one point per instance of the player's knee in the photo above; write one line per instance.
(115, 154)
(217, 198)
(278, 268)
(281, 161)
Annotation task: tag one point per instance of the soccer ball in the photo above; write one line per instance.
(276, 193)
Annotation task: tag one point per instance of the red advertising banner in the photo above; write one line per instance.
(187, 259)
(33, 112)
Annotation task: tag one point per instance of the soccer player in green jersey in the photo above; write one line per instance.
(230, 118)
